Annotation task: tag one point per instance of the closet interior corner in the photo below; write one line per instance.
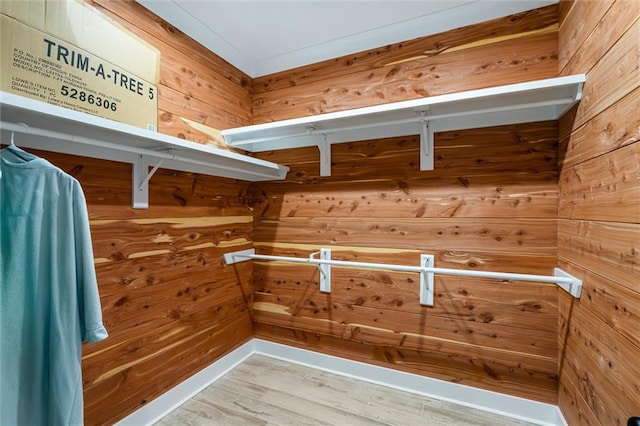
(287, 212)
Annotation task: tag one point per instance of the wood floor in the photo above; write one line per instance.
(267, 391)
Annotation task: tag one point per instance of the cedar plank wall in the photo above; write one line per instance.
(490, 204)
(170, 304)
(599, 214)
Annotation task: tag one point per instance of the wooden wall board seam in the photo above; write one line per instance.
(585, 246)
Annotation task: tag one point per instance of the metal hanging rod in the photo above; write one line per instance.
(426, 270)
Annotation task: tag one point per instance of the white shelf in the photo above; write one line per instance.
(39, 125)
(511, 104)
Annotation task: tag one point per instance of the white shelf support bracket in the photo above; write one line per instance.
(426, 279)
(325, 157)
(325, 271)
(150, 174)
(140, 184)
(140, 181)
(574, 287)
(426, 145)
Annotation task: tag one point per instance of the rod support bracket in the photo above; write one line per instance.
(238, 256)
(325, 271)
(574, 287)
(426, 279)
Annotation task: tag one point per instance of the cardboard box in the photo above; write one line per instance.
(41, 65)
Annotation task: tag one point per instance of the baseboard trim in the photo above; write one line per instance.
(156, 409)
(511, 406)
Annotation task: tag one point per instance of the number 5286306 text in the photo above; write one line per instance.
(89, 98)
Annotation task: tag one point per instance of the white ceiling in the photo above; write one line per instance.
(265, 36)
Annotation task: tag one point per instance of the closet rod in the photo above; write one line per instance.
(407, 268)
(313, 261)
(568, 282)
(20, 128)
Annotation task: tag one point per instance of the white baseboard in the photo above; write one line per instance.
(511, 406)
(179, 394)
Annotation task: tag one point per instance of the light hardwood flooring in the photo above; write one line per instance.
(267, 391)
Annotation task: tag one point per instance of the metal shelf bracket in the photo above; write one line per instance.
(141, 177)
(140, 181)
(426, 145)
(426, 279)
(325, 157)
(325, 270)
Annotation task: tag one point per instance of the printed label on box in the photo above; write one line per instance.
(42, 67)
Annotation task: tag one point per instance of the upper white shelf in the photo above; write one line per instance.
(52, 128)
(510, 104)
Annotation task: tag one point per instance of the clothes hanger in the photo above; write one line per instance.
(19, 153)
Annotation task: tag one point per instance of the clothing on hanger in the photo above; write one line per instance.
(49, 302)
(16, 155)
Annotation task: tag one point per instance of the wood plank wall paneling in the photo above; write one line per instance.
(583, 19)
(174, 361)
(490, 204)
(530, 236)
(613, 196)
(599, 211)
(486, 33)
(170, 304)
(199, 92)
(615, 127)
(613, 72)
(523, 47)
(510, 195)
